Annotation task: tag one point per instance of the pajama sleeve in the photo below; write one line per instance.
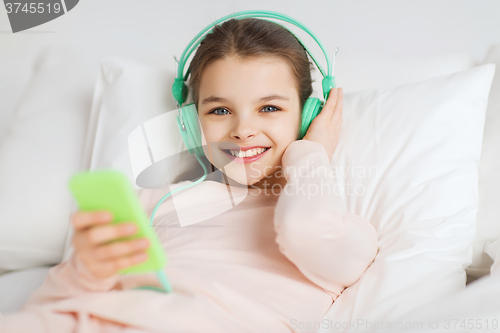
(330, 246)
(68, 279)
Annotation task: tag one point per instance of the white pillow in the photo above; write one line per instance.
(493, 250)
(14, 77)
(488, 216)
(41, 151)
(8, 99)
(423, 142)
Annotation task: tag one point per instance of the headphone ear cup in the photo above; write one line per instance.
(180, 90)
(311, 109)
(192, 134)
(185, 91)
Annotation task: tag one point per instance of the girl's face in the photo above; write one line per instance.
(249, 102)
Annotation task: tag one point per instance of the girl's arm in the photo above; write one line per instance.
(328, 245)
(68, 279)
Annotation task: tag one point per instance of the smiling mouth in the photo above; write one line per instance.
(239, 153)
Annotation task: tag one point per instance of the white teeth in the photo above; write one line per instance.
(248, 153)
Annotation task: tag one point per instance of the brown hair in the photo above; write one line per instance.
(250, 37)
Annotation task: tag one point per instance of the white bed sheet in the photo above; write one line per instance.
(475, 309)
(16, 287)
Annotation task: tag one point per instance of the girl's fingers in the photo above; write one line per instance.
(116, 264)
(83, 220)
(107, 268)
(100, 235)
(340, 102)
(329, 106)
(119, 249)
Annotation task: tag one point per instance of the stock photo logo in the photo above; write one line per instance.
(24, 15)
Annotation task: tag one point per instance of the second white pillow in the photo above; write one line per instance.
(409, 164)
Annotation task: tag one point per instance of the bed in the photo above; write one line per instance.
(426, 121)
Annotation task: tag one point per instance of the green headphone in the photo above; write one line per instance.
(187, 118)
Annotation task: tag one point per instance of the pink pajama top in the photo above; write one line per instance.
(271, 263)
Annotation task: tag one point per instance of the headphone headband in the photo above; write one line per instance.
(179, 90)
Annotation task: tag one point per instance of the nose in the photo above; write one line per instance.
(243, 129)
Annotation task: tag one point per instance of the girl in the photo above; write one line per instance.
(275, 262)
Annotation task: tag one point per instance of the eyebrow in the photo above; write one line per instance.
(263, 99)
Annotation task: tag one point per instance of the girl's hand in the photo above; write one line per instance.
(92, 237)
(325, 128)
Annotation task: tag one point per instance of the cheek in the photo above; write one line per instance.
(290, 127)
(209, 132)
(209, 145)
(208, 137)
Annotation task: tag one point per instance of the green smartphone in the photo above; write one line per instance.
(110, 190)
